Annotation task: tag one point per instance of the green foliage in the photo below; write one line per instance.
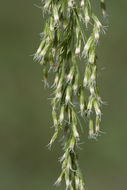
(66, 41)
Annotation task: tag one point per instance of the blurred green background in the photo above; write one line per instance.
(25, 113)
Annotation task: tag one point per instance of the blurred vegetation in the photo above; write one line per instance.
(25, 113)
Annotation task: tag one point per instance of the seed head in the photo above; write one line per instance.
(51, 25)
(72, 143)
(59, 179)
(56, 15)
(103, 7)
(78, 47)
(67, 180)
(96, 33)
(82, 185)
(71, 74)
(97, 126)
(82, 101)
(82, 3)
(54, 116)
(70, 3)
(88, 44)
(97, 109)
(75, 132)
(64, 41)
(97, 22)
(58, 95)
(87, 17)
(77, 181)
(92, 89)
(77, 50)
(92, 55)
(53, 139)
(69, 163)
(90, 103)
(74, 125)
(62, 114)
(56, 80)
(93, 75)
(68, 94)
(75, 85)
(60, 83)
(91, 131)
(62, 158)
(47, 4)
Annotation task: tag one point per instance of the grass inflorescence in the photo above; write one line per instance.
(64, 42)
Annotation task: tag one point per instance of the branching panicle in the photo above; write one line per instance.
(64, 42)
